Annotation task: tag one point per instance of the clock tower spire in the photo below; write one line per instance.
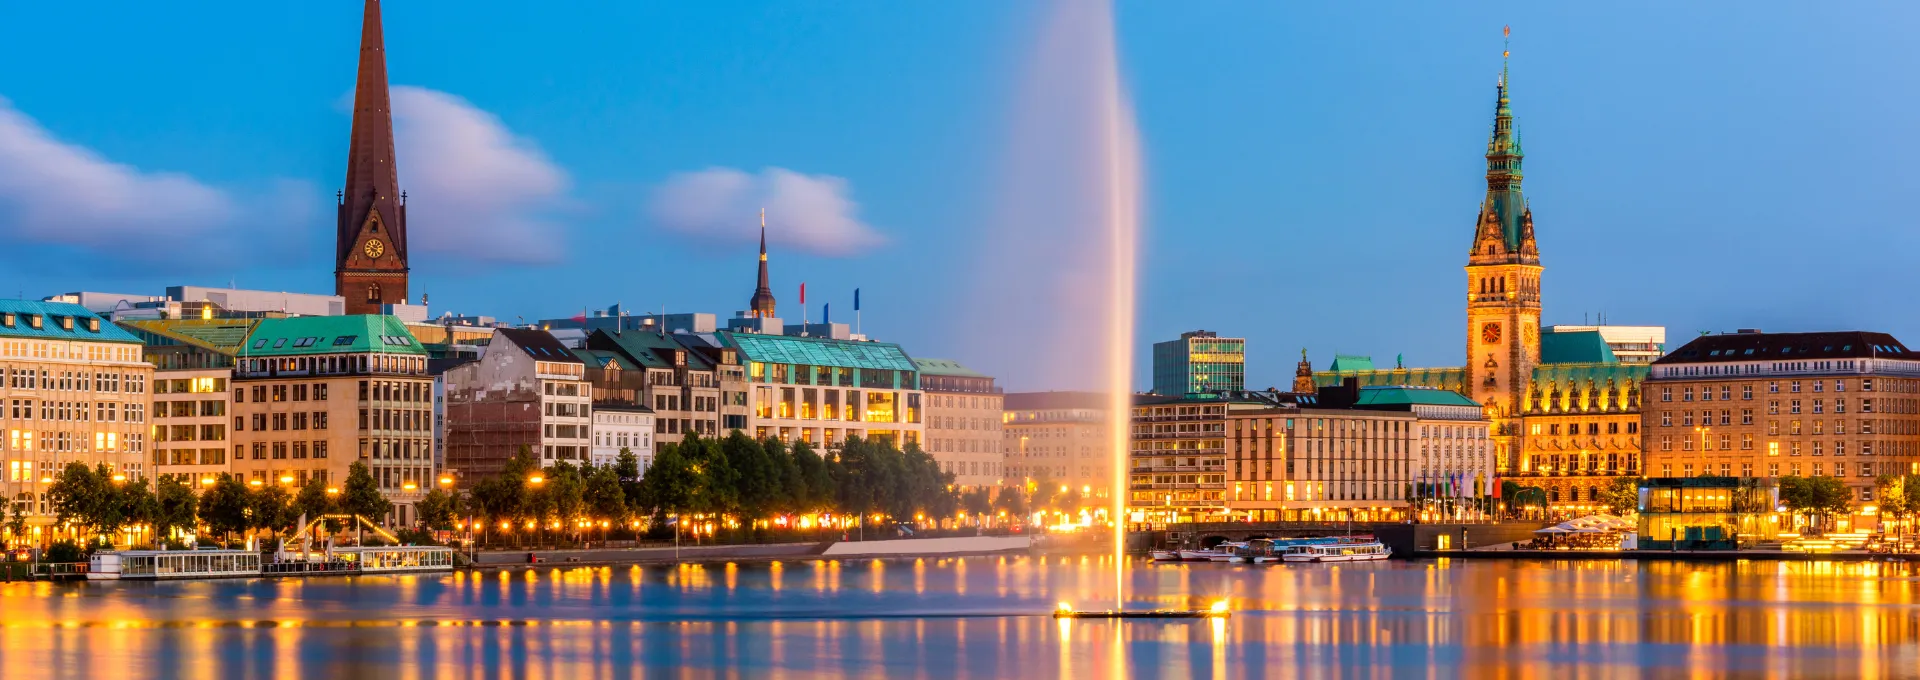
(370, 258)
(1503, 277)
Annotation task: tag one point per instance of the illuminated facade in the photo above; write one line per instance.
(313, 395)
(193, 365)
(73, 388)
(1752, 404)
(1059, 438)
(963, 422)
(1200, 362)
(1563, 407)
(824, 391)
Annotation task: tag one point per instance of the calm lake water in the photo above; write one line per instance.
(986, 618)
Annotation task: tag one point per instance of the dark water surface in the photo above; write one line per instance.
(986, 618)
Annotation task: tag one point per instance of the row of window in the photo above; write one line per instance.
(76, 411)
(103, 442)
(74, 381)
(1773, 387)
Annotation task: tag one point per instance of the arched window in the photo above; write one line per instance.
(373, 292)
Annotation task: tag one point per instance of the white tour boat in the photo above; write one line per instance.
(1165, 555)
(1338, 552)
(172, 564)
(396, 559)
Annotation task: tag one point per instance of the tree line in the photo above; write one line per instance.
(100, 503)
(751, 481)
(734, 477)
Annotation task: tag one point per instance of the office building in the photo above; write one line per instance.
(1200, 362)
(964, 413)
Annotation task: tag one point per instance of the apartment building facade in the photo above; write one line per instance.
(964, 414)
(528, 391)
(73, 388)
(1754, 404)
(313, 395)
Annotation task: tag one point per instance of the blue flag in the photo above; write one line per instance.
(856, 299)
(826, 313)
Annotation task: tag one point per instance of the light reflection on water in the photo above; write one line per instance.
(986, 618)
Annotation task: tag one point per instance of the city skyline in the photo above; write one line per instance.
(1663, 122)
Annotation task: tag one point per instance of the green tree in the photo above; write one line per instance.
(435, 510)
(225, 507)
(1621, 495)
(605, 499)
(812, 489)
(137, 503)
(1013, 501)
(755, 482)
(1814, 498)
(177, 508)
(270, 509)
(314, 501)
(17, 522)
(563, 495)
(85, 496)
(362, 496)
(669, 485)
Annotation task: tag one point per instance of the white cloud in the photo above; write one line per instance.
(57, 193)
(475, 191)
(812, 213)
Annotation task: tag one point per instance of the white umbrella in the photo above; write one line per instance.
(1553, 530)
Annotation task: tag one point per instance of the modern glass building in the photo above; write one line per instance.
(1200, 362)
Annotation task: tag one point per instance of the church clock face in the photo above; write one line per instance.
(1490, 333)
(373, 248)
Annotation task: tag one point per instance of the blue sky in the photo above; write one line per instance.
(1312, 171)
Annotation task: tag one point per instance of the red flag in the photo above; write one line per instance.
(803, 292)
(1496, 488)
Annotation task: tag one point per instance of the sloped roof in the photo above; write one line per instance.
(787, 349)
(223, 336)
(1788, 347)
(1566, 376)
(1351, 362)
(1446, 378)
(946, 367)
(597, 358)
(1406, 394)
(50, 314)
(1575, 347)
(355, 333)
(540, 345)
(647, 348)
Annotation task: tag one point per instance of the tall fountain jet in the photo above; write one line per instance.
(1060, 253)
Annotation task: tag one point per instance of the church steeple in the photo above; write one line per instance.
(1505, 228)
(761, 305)
(371, 249)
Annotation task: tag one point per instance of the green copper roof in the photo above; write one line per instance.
(1351, 362)
(595, 358)
(224, 336)
(647, 348)
(946, 367)
(1448, 378)
(357, 333)
(1565, 376)
(787, 349)
(1504, 157)
(1394, 396)
(1577, 347)
(50, 315)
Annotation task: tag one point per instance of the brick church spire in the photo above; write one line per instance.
(761, 305)
(371, 254)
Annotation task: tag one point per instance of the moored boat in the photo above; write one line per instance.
(172, 564)
(1338, 552)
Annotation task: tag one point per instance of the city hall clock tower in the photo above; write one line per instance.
(1503, 280)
